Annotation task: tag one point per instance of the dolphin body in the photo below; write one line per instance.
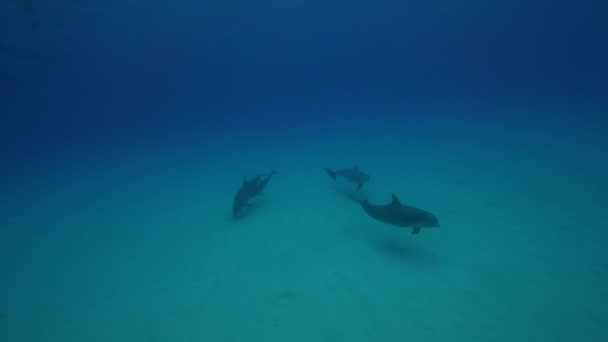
(248, 190)
(400, 215)
(353, 175)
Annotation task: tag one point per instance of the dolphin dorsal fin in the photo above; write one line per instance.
(395, 200)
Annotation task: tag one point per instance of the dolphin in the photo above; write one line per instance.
(250, 189)
(400, 215)
(263, 182)
(353, 175)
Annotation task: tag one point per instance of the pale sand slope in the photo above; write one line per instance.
(145, 250)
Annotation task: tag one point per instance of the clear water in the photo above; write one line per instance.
(126, 129)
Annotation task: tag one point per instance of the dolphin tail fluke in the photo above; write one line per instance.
(270, 174)
(331, 173)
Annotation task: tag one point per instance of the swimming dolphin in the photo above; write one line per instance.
(353, 175)
(400, 215)
(263, 182)
(250, 189)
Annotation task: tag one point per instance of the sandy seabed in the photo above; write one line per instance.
(145, 248)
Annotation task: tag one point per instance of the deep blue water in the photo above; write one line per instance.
(155, 92)
(76, 71)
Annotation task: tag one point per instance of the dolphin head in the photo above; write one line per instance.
(430, 220)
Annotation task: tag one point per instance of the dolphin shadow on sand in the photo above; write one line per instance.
(249, 190)
(404, 251)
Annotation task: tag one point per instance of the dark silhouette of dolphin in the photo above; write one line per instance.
(248, 190)
(399, 215)
(353, 175)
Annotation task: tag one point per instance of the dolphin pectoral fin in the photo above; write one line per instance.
(415, 230)
(359, 186)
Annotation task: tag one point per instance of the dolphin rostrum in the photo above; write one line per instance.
(353, 175)
(399, 215)
(250, 189)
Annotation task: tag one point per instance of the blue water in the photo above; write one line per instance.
(126, 129)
